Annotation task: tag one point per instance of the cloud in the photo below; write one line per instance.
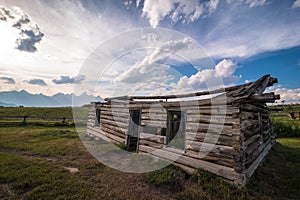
(40, 82)
(30, 38)
(69, 80)
(255, 3)
(8, 80)
(153, 67)
(185, 10)
(222, 75)
(30, 33)
(296, 4)
(286, 94)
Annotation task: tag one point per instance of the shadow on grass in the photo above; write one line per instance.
(277, 178)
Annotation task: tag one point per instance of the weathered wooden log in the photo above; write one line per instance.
(115, 114)
(229, 162)
(250, 170)
(116, 119)
(212, 149)
(114, 123)
(267, 97)
(115, 109)
(154, 138)
(151, 144)
(221, 139)
(251, 158)
(220, 170)
(115, 128)
(160, 124)
(251, 148)
(249, 125)
(212, 111)
(250, 140)
(253, 108)
(98, 133)
(212, 119)
(157, 117)
(251, 115)
(114, 132)
(211, 128)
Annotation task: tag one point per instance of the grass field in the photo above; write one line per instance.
(43, 161)
(36, 162)
(43, 112)
(283, 126)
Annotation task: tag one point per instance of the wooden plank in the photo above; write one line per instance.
(204, 102)
(221, 90)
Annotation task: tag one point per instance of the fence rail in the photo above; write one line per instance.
(59, 121)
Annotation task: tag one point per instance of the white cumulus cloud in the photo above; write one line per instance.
(286, 94)
(222, 75)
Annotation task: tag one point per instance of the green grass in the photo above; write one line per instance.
(35, 179)
(171, 176)
(290, 142)
(283, 126)
(56, 112)
(33, 161)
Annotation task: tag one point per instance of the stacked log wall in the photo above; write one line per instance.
(214, 127)
(256, 135)
(113, 122)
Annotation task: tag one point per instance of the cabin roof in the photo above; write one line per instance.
(252, 89)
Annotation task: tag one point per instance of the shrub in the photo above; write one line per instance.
(286, 128)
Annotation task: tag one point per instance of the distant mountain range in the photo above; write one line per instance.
(15, 98)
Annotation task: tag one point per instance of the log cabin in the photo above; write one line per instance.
(229, 133)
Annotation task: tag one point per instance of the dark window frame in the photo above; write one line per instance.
(136, 127)
(182, 126)
(97, 117)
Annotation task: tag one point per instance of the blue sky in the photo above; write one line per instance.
(45, 45)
